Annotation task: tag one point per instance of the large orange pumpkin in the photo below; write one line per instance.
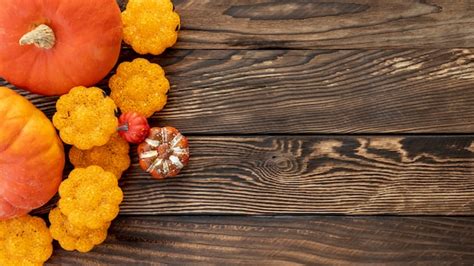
(50, 46)
(31, 156)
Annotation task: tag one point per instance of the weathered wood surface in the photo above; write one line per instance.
(265, 89)
(282, 241)
(305, 24)
(311, 174)
(347, 175)
(287, 91)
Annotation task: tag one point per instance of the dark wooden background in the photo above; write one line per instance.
(343, 127)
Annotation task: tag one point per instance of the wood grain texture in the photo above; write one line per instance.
(253, 117)
(277, 91)
(310, 174)
(282, 241)
(336, 24)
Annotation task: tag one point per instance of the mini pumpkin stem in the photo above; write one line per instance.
(41, 36)
(123, 127)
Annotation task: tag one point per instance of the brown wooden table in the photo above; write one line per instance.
(321, 132)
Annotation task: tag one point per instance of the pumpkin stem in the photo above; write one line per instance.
(41, 36)
(123, 127)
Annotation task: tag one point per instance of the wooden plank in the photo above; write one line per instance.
(312, 174)
(282, 241)
(276, 91)
(303, 24)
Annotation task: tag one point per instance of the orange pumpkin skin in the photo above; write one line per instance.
(31, 156)
(88, 40)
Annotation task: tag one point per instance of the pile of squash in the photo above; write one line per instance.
(62, 48)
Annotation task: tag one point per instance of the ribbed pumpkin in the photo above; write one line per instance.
(31, 156)
(133, 127)
(50, 46)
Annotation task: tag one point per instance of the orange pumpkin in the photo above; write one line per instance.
(31, 156)
(50, 46)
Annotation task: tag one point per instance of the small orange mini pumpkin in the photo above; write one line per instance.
(133, 127)
(49, 47)
(31, 156)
